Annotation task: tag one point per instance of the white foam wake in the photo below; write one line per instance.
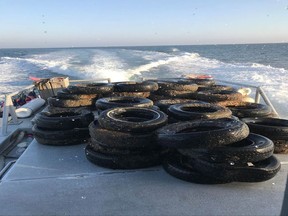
(122, 64)
(105, 65)
(168, 61)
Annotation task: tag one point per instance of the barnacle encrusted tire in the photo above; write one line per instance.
(130, 94)
(53, 109)
(251, 149)
(215, 96)
(165, 85)
(191, 111)
(174, 165)
(66, 95)
(260, 171)
(119, 161)
(176, 93)
(246, 109)
(132, 119)
(145, 86)
(118, 139)
(91, 88)
(64, 120)
(215, 87)
(57, 102)
(113, 102)
(228, 103)
(165, 104)
(154, 97)
(200, 82)
(202, 133)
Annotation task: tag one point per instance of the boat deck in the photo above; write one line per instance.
(49, 180)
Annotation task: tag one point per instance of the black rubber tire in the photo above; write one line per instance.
(121, 140)
(273, 128)
(101, 148)
(176, 94)
(268, 126)
(130, 94)
(91, 88)
(251, 149)
(172, 120)
(193, 111)
(133, 161)
(202, 133)
(229, 103)
(66, 95)
(175, 166)
(199, 82)
(246, 109)
(260, 171)
(215, 96)
(131, 119)
(57, 102)
(154, 97)
(216, 88)
(75, 133)
(64, 120)
(176, 86)
(165, 104)
(60, 142)
(113, 102)
(53, 109)
(152, 107)
(145, 86)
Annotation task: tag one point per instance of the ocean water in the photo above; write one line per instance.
(263, 65)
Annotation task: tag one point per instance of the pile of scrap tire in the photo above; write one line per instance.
(197, 129)
(77, 97)
(122, 101)
(123, 138)
(181, 90)
(64, 128)
(134, 89)
(172, 89)
(217, 151)
(197, 110)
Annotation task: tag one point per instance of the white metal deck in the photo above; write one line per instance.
(49, 180)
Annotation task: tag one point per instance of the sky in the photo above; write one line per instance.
(92, 23)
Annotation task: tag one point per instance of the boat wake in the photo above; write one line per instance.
(123, 64)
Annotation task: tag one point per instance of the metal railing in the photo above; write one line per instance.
(258, 94)
(9, 108)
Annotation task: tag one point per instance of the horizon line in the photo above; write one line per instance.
(116, 46)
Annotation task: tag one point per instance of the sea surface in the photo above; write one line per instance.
(263, 65)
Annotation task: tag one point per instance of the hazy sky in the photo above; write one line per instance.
(67, 23)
